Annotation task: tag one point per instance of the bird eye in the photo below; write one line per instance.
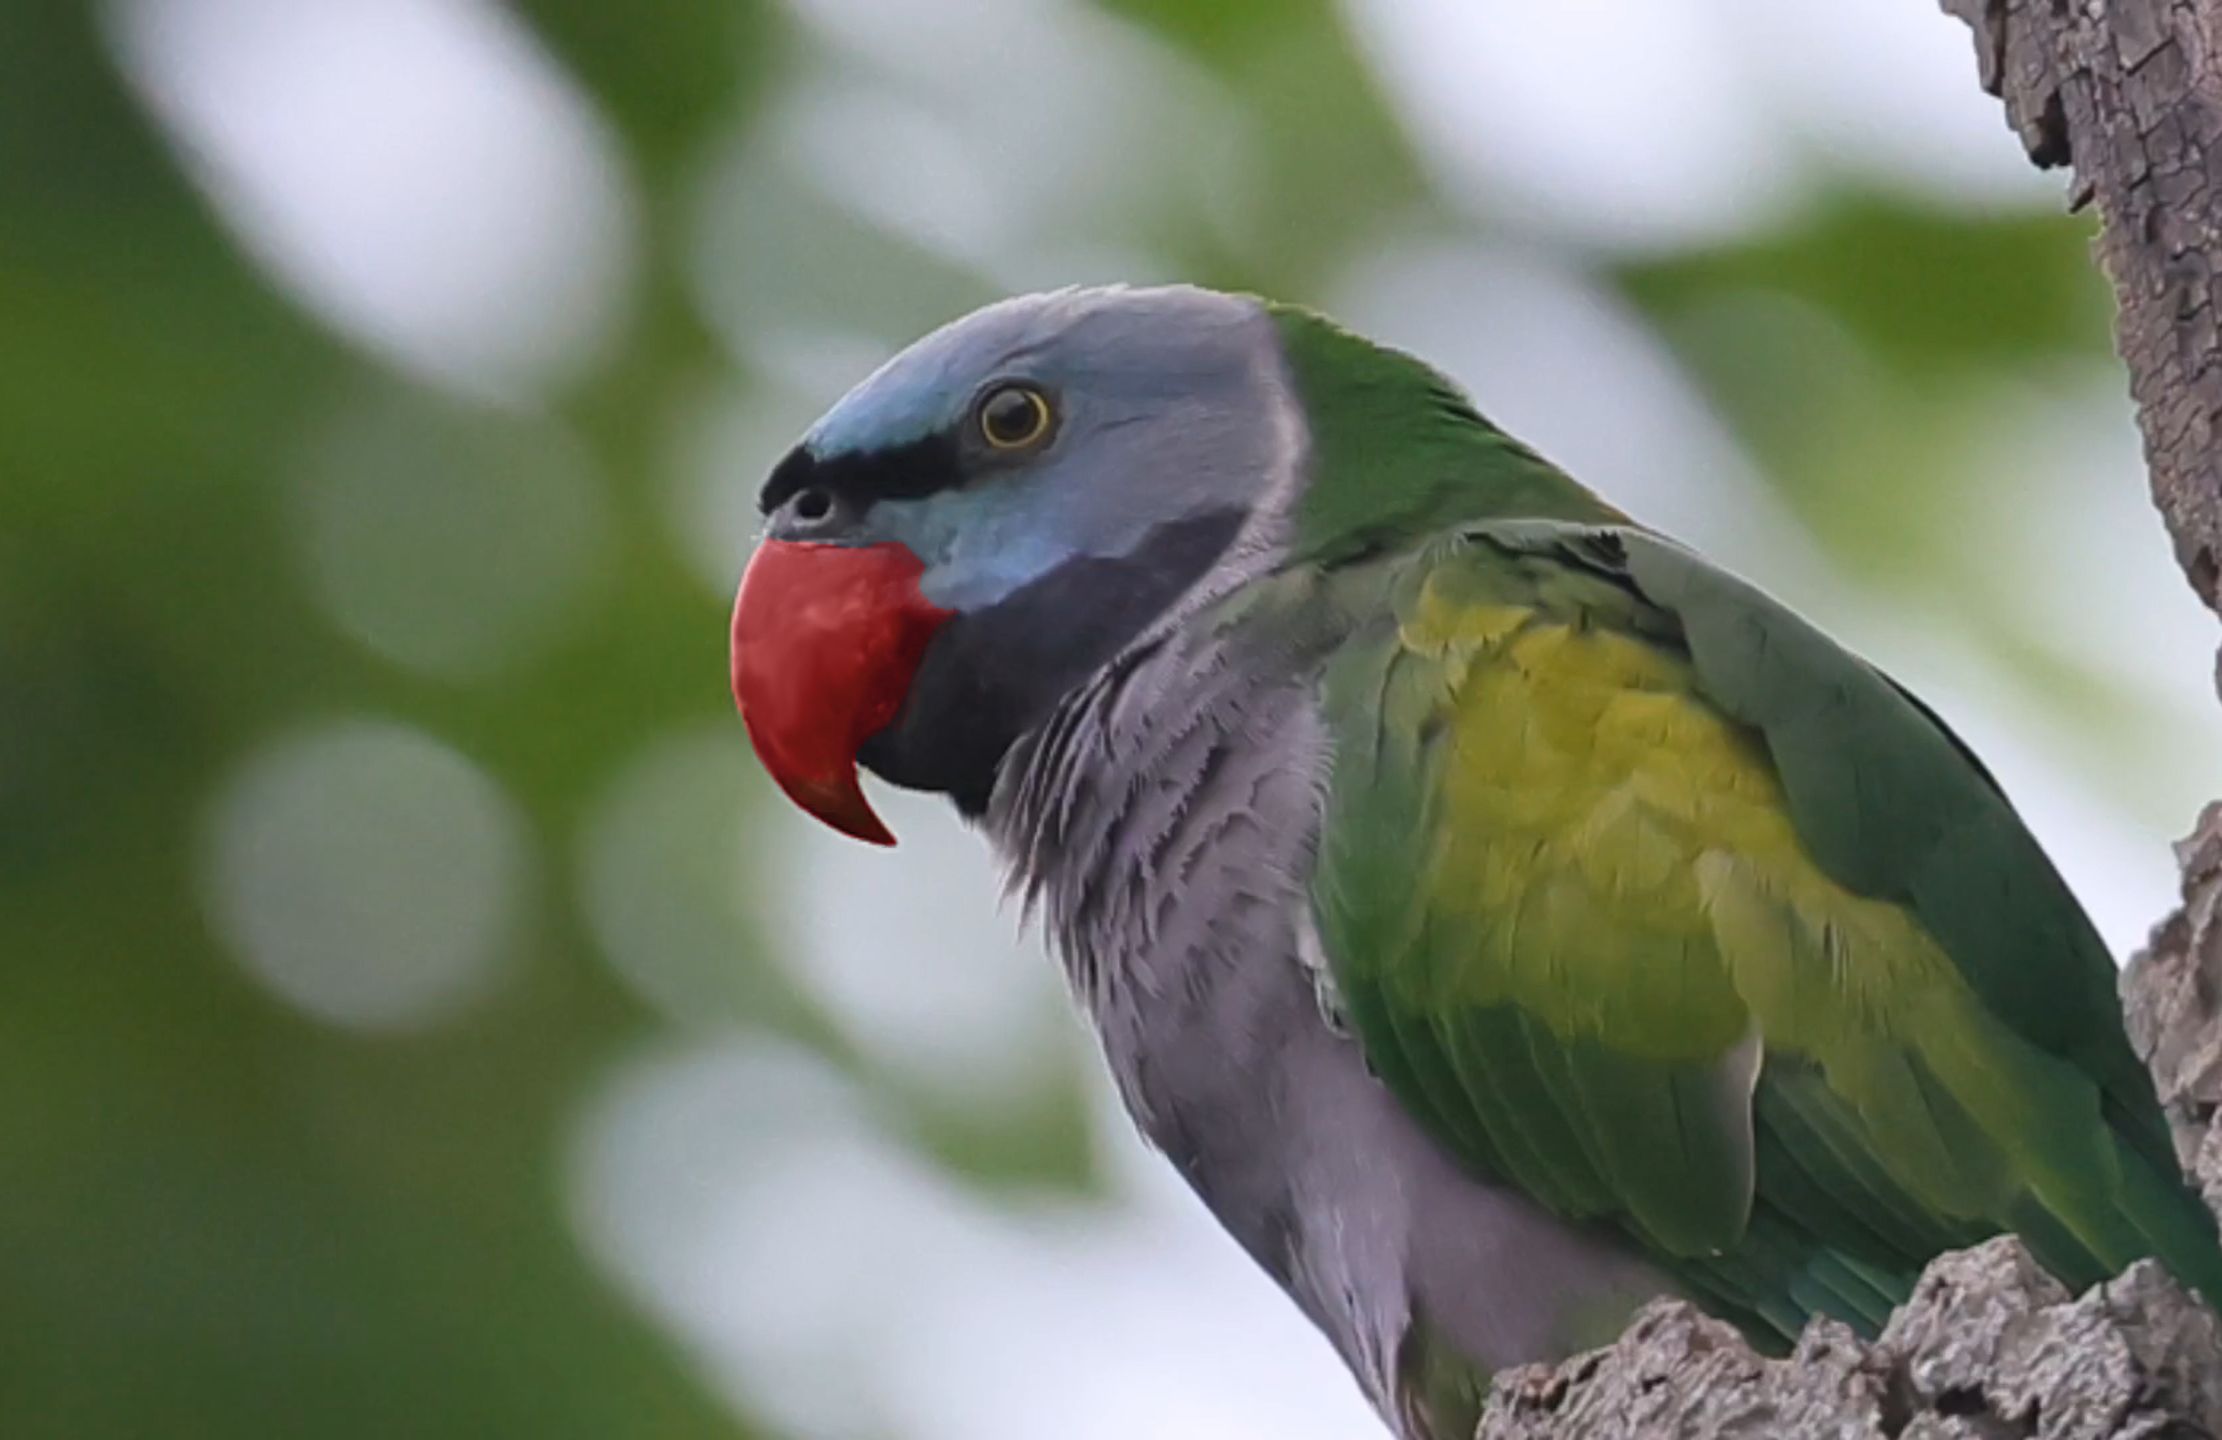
(1015, 417)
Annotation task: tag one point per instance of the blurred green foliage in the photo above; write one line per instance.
(219, 1217)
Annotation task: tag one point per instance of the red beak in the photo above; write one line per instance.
(826, 640)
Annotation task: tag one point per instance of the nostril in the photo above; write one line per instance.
(812, 504)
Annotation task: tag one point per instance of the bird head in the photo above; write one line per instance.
(985, 521)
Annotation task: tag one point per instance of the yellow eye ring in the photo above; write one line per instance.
(1014, 417)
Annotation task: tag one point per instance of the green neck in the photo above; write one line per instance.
(1398, 453)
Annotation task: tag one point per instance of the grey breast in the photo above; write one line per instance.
(1162, 824)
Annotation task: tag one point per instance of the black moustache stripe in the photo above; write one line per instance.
(992, 674)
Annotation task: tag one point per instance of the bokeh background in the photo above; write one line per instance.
(416, 1016)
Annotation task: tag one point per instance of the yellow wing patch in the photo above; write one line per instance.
(1620, 862)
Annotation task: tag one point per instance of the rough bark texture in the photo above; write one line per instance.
(2172, 993)
(1989, 1347)
(2129, 94)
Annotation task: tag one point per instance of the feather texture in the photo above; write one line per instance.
(1657, 904)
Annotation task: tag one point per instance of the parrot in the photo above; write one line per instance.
(1498, 915)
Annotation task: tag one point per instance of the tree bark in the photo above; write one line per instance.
(2127, 94)
(1989, 1347)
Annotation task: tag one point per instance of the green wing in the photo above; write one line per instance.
(1656, 903)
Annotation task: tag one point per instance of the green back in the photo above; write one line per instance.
(1448, 464)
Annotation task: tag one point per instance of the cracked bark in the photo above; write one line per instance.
(2126, 95)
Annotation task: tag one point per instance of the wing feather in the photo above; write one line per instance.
(1657, 904)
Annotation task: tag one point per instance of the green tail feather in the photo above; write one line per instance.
(2152, 1214)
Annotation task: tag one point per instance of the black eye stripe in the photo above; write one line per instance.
(902, 472)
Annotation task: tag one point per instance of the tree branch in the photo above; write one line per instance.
(1990, 1347)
